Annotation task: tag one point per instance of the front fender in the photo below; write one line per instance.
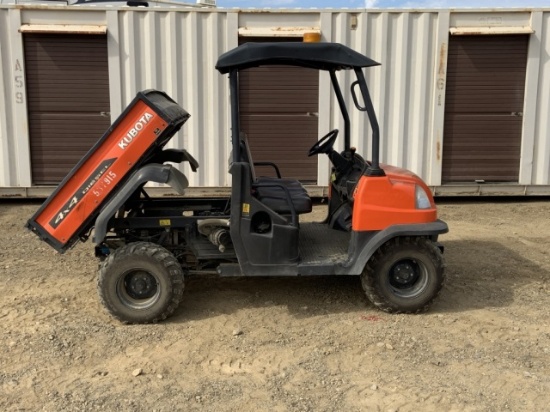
(365, 244)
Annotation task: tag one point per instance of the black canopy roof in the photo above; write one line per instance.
(320, 56)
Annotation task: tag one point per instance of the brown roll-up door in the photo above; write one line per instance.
(68, 100)
(483, 108)
(278, 112)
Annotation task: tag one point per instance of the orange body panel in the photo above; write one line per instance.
(380, 202)
(101, 172)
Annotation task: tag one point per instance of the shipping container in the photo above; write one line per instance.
(461, 95)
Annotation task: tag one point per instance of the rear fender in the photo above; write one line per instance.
(150, 173)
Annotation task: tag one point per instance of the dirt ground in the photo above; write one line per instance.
(280, 344)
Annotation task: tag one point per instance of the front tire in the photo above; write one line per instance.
(405, 275)
(140, 283)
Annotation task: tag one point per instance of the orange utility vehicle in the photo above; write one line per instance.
(381, 221)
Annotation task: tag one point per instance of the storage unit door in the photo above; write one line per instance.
(68, 100)
(483, 108)
(278, 112)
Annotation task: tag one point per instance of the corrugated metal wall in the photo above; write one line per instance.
(540, 104)
(5, 130)
(11, 88)
(176, 51)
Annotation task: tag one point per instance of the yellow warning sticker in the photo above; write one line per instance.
(165, 222)
(246, 208)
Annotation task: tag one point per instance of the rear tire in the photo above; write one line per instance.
(405, 275)
(140, 283)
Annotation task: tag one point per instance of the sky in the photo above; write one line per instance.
(339, 4)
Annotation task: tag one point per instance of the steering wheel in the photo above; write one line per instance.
(325, 143)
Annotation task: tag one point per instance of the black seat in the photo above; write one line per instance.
(276, 198)
(274, 192)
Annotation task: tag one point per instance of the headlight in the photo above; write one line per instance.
(422, 201)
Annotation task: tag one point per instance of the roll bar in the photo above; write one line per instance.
(325, 56)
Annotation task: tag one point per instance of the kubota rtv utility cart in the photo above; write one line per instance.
(381, 220)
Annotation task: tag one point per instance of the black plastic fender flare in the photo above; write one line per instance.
(365, 244)
(152, 172)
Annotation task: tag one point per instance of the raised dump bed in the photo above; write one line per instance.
(146, 125)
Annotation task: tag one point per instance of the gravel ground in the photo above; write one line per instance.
(280, 344)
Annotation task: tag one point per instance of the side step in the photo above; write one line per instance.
(229, 269)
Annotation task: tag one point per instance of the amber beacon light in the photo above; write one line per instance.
(312, 37)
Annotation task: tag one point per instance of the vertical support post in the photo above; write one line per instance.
(528, 132)
(235, 126)
(435, 137)
(20, 102)
(325, 121)
(374, 169)
(343, 109)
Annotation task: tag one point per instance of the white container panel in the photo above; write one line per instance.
(541, 158)
(14, 147)
(401, 88)
(6, 130)
(177, 52)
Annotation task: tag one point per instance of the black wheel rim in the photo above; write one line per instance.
(138, 289)
(408, 278)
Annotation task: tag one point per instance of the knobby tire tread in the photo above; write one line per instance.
(162, 256)
(370, 282)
